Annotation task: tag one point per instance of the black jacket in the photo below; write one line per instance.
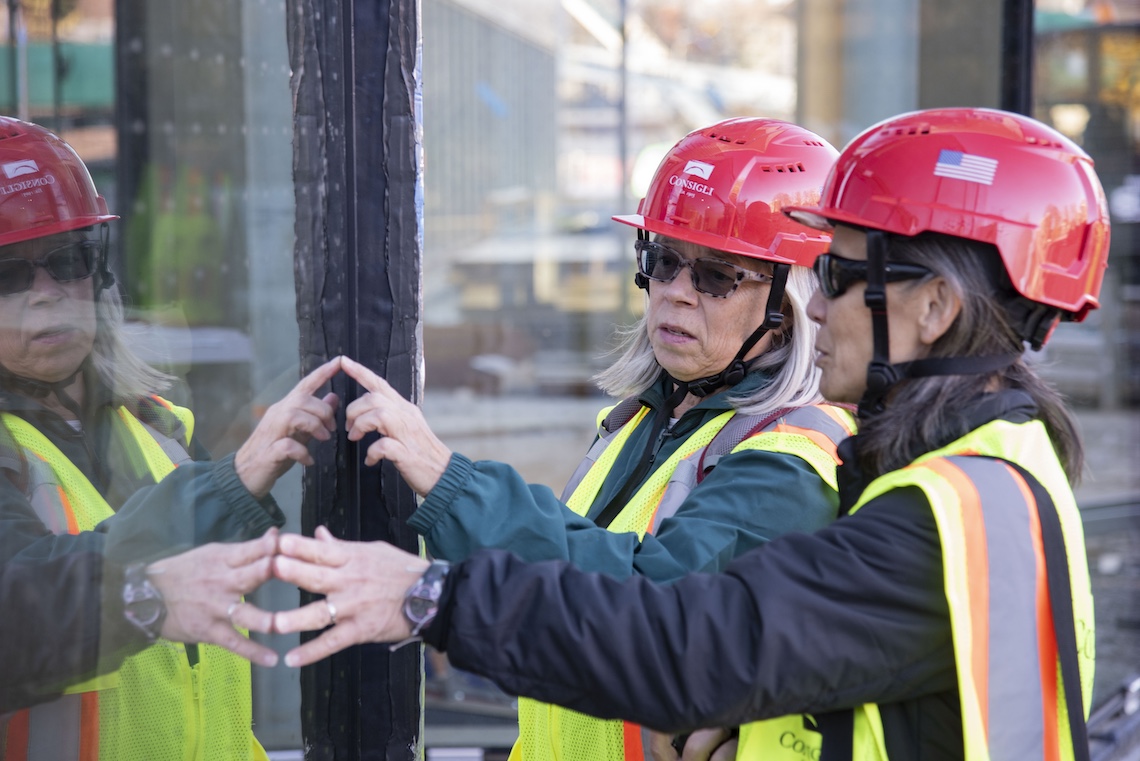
(809, 623)
(61, 613)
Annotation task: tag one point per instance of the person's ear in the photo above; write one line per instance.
(938, 308)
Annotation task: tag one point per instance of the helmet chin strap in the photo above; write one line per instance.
(882, 376)
(40, 390)
(106, 277)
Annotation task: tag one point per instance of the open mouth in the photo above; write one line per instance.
(675, 331)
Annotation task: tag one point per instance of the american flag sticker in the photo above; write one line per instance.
(964, 166)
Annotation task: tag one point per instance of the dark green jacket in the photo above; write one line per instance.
(750, 497)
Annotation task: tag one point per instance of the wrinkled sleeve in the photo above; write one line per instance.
(806, 623)
(199, 503)
(62, 622)
(749, 498)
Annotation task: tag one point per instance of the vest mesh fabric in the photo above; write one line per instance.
(547, 732)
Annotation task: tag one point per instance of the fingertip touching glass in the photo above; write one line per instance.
(68, 263)
(712, 277)
(836, 274)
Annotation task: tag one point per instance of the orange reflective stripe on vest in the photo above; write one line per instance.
(1012, 698)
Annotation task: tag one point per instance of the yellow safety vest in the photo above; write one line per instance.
(811, 433)
(1008, 675)
(156, 707)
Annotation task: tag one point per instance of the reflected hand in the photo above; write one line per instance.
(203, 587)
(364, 584)
(405, 438)
(282, 435)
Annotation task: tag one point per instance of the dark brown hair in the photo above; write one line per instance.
(923, 414)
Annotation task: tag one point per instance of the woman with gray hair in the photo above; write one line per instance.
(721, 442)
(102, 483)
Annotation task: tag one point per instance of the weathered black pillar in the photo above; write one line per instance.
(357, 261)
(1017, 56)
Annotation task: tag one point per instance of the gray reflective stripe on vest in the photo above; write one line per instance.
(172, 448)
(603, 441)
(54, 729)
(1016, 726)
(685, 478)
(812, 418)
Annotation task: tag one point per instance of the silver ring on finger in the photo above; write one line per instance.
(230, 611)
(332, 612)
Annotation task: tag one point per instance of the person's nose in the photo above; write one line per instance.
(682, 288)
(817, 307)
(44, 286)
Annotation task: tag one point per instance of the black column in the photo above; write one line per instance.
(357, 263)
(1017, 56)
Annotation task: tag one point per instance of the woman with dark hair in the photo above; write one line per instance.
(947, 613)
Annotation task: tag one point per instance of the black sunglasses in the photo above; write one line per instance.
(66, 264)
(714, 277)
(836, 274)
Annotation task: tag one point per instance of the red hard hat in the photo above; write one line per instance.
(44, 186)
(725, 187)
(984, 175)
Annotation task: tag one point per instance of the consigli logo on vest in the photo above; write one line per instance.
(697, 169)
(14, 169)
(804, 748)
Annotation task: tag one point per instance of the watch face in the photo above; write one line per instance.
(418, 608)
(144, 611)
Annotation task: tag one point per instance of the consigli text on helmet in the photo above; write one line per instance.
(690, 185)
(16, 187)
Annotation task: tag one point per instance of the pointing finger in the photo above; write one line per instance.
(366, 378)
(319, 377)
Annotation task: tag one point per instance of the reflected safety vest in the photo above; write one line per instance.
(156, 707)
(1009, 682)
(811, 433)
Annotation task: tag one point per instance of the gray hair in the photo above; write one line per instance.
(119, 368)
(790, 359)
(924, 414)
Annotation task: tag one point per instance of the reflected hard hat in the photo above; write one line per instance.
(725, 187)
(984, 175)
(44, 186)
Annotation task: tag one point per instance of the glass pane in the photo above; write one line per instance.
(192, 148)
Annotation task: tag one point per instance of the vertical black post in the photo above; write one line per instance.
(1017, 57)
(132, 117)
(357, 263)
(58, 70)
(13, 76)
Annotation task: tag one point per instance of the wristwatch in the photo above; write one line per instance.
(142, 602)
(422, 601)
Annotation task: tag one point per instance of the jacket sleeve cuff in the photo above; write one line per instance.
(439, 499)
(259, 515)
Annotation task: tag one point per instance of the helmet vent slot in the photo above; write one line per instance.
(11, 131)
(1044, 142)
(783, 168)
(813, 142)
(914, 129)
